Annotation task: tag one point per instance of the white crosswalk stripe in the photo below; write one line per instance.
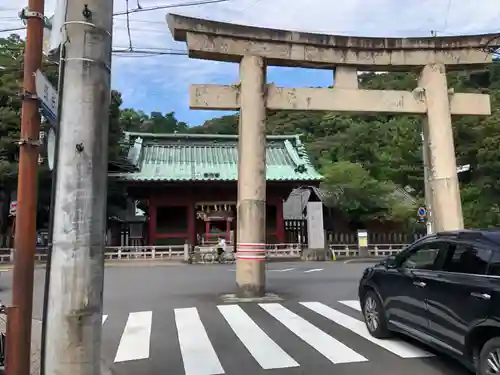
(353, 304)
(198, 354)
(332, 349)
(134, 343)
(200, 357)
(265, 351)
(400, 348)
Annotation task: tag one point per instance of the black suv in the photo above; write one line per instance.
(443, 290)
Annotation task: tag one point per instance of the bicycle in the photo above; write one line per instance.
(214, 257)
(227, 258)
(194, 257)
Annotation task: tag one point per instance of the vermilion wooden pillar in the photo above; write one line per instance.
(280, 223)
(152, 223)
(191, 224)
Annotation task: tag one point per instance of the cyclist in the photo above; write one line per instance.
(221, 248)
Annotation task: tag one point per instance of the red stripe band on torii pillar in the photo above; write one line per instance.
(247, 250)
(259, 248)
(251, 247)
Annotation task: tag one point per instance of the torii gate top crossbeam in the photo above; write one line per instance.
(221, 41)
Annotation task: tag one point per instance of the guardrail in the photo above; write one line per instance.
(181, 252)
(373, 250)
(174, 252)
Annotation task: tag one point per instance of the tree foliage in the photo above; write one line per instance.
(371, 162)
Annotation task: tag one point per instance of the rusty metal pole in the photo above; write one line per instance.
(25, 234)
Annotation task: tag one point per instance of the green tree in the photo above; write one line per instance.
(11, 75)
(156, 122)
(351, 188)
(385, 151)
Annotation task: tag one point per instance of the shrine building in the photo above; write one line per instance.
(187, 184)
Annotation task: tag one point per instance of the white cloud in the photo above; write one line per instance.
(171, 75)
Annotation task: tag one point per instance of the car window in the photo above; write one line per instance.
(467, 258)
(425, 256)
(495, 264)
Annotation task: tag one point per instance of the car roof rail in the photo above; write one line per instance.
(463, 233)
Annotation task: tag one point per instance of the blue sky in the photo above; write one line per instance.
(160, 83)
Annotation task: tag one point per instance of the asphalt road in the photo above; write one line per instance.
(172, 320)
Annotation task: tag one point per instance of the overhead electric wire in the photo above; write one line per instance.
(13, 29)
(128, 27)
(148, 9)
(159, 7)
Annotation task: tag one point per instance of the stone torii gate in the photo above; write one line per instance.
(255, 48)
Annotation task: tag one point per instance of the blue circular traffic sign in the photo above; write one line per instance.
(421, 211)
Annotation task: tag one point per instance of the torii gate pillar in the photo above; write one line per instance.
(438, 136)
(251, 208)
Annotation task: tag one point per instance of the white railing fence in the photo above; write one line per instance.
(181, 252)
(379, 250)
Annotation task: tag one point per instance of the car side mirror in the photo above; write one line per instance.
(390, 262)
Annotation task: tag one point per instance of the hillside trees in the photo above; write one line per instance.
(369, 156)
(155, 122)
(365, 159)
(11, 74)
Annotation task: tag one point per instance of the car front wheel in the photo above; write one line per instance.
(489, 359)
(373, 312)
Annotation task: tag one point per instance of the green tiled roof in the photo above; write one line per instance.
(205, 157)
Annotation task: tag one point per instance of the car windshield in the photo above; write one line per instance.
(493, 236)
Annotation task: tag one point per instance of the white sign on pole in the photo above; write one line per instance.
(13, 208)
(463, 168)
(48, 97)
(51, 148)
(52, 35)
(315, 227)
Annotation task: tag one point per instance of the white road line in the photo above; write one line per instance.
(104, 317)
(265, 351)
(400, 348)
(353, 304)
(198, 354)
(283, 270)
(135, 340)
(332, 349)
(314, 270)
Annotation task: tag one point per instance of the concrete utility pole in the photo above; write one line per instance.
(251, 257)
(73, 336)
(19, 322)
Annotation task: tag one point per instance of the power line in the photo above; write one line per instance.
(142, 9)
(144, 53)
(159, 7)
(128, 25)
(115, 49)
(13, 29)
